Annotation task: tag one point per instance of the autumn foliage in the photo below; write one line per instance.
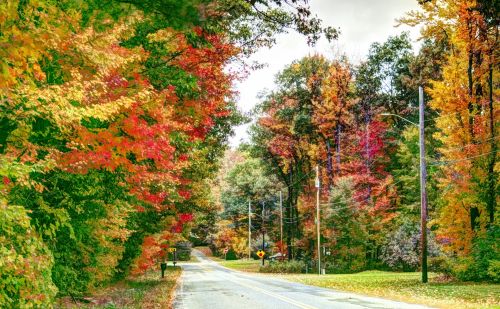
(103, 112)
(346, 119)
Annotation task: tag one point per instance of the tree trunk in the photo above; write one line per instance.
(491, 202)
(339, 131)
(329, 163)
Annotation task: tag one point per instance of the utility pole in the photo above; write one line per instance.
(281, 224)
(423, 180)
(423, 191)
(318, 219)
(249, 230)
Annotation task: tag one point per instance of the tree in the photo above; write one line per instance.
(346, 232)
(247, 182)
(284, 137)
(467, 123)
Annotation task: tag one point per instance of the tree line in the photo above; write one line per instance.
(346, 119)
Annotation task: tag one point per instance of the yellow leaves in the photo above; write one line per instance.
(103, 50)
(104, 111)
(26, 35)
(296, 67)
(111, 232)
(89, 93)
(461, 98)
(164, 35)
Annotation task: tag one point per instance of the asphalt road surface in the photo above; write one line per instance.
(207, 285)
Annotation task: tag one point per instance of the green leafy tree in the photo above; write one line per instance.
(25, 262)
(346, 234)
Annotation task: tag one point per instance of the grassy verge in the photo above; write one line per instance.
(408, 288)
(145, 291)
(242, 265)
(396, 286)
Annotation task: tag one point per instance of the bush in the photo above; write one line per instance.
(288, 267)
(483, 263)
(465, 269)
(440, 264)
(183, 250)
(402, 248)
(25, 262)
(494, 270)
(231, 255)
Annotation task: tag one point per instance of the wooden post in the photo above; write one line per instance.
(318, 219)
(281, 225)
(423, 191)
(249, 230)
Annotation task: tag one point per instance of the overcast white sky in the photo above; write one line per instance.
(361, 23)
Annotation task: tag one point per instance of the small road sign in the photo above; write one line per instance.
(172, 249)
(226, 250)
(261, 254)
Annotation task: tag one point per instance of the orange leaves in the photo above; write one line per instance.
(333, 108)
(468, 122)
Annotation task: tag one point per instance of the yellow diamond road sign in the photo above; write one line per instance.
(261, 254)
(172, 249)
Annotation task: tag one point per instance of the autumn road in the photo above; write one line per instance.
(207, 285)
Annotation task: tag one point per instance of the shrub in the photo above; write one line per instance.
(183, 250)
(288, 267)
(402, 249)
(482, 264)
(440, 264)
(25, 262)
(494, 270)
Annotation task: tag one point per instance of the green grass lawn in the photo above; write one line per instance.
(242, 265)
(144, 291)
(396, 286)
(407, 287)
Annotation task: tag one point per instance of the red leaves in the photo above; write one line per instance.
(177, 228)
(372, 140)
(139, 141)
(185, 217)
(185, 194)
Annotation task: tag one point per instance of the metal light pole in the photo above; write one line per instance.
(318, 219)
(249, 230)
(423, 180)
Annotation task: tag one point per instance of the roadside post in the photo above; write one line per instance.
(318, 218)
(163, 264)
(226, 250)
(261, 255)
(174, 253)
(163, 267)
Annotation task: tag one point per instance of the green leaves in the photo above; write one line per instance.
(25, 262)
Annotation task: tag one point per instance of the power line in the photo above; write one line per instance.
(448, 162)
(450, 114)
(481, 142)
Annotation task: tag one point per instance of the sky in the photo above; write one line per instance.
(361, 23)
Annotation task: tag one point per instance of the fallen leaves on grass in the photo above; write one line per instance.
(145, 291)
